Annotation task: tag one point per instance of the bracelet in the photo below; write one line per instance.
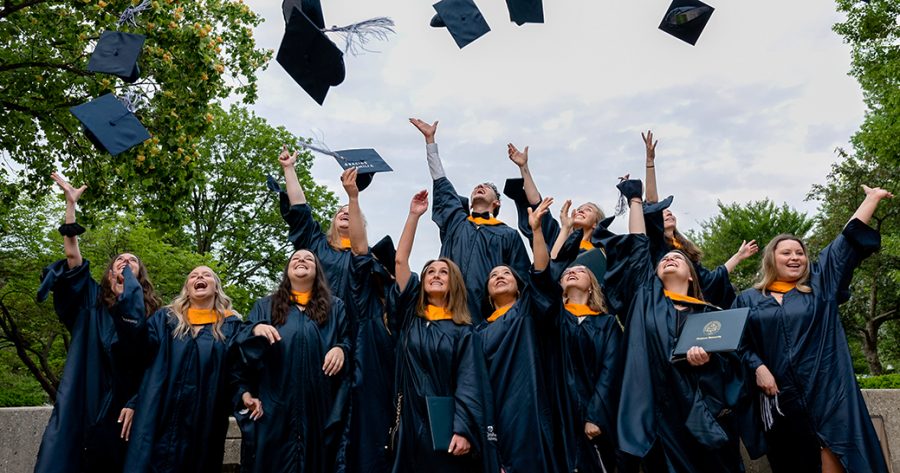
(648, 167)
(635, 200)
(71, 229)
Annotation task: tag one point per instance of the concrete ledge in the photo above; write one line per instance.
(21, 429)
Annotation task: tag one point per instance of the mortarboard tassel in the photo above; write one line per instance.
(766, 406)
(128, 15)
(357, 35)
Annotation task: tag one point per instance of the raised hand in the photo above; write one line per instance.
(877, 193)
(419, 203)
(72, 194)
(254, 405)
(650, 145)
(534, 216)
(520, 158)
(747, 249)
(566, 219)
(348, 180)
(334, 361)
(427, 130)
(286, 159)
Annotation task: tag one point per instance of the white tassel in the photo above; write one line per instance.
(766, 405)
(131, 100)
(128, 15)
(357, 35)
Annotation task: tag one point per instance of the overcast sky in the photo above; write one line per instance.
(754, 110)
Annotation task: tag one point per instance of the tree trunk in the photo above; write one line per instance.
(870, 347)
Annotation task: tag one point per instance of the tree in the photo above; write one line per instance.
(721, 236)
(231, 213)
(196, 52)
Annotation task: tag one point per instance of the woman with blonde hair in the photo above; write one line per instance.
(293, 379)
(437, 357)
(809, 414)
(182, 408)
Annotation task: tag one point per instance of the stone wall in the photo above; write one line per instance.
(21, 429)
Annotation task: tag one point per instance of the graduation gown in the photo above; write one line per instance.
(476, 249)
(100, 375)
(437, 358)
(802, 342)
(371, 397)
(680, 410)
(715, 284)
(182, 410)
(514, 357)
(591, 364)
(302, 427)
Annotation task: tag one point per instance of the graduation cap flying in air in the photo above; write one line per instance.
(463, 20)
(367, 161)
(685, 19)
(117, 52)
(110, 125)
(310, 57)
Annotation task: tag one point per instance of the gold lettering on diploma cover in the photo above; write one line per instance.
(711, 330)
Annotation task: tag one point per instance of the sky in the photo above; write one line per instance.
(754, 110)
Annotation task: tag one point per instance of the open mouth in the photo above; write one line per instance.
(201, 284)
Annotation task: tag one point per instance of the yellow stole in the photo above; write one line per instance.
(204, 316)
(345, 243)
(499, 312)
(586, 245)
(484, 221)
(579, 310)
(675, 244)
(683, 298)
(301, 298)
(434, 313)
(782, 287)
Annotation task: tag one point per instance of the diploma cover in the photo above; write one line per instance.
(440, 419)
(715, 332)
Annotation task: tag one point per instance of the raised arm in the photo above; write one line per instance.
(70, 240)
(565, 228)
(652, 196)
(745, 251)
(538, 246)
(631, 189)
(417, 207)
(291, 181)
(520, 158)
(869, 204)
(359, 242)
(434, 161)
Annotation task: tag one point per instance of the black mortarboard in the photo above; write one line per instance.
(462, 18)
(311, 59)
(109, 125)
(685, 19)
(594, 260)
(514, 188)
(311, 8)
(525, 11)
(367, 161)
(117, 53)
(385, 253)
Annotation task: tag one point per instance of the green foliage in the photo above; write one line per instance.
(196, 52)
(721, 236)
(887, 381)
(17, 386)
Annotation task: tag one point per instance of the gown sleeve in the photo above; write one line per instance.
(303, 230)
(628, 268)
(841, 257)
(447, 210)
(545, 295)
(342, 338)
(401, 304)
(469, 412)
(601, 409)
(515, 254)
(549, 225)
(73, 290)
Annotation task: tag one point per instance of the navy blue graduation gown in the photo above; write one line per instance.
(715, 284)
(437, 358)
(476, 249)
(514, 357)
(302, 427)
(100, 375)
(802, 342)
(182, 409)
(680, 409)
(591, 364)
(305, 233)
(371, 398)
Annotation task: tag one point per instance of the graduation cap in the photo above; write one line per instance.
(462, 18)
(685, 19)
(311, 59)
(109, 125)
(367, 161)
(117, 53)
(594, 260)
(385, 253)
(525, 11)
(311, 8)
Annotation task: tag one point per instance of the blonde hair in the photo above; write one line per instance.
(596, 300)
(600, 216)
(179, 306)
(456, 299)
(332, 236)
(768, 273)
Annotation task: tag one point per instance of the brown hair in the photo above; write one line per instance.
(688, 248)
(319, 300)
(694, 288)
(596, 300)
(456, 300)
(152, 302)
(769, 274)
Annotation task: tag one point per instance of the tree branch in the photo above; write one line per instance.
(45, 65)
(9, 8)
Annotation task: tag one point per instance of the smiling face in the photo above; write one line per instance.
(791, 262)
(201, 285)
(301, 267)
(669, 220)
(501, 281)
(341, 220)
(575, 277)
(485, 194)
(674, 265)
(586, 216)
(436, 282)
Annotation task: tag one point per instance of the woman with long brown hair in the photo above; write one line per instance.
(91, 418)
(809, 414)
(181, 414)
(292, 380)
(676, 416)
(437, 357)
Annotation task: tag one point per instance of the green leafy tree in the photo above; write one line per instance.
(196, 53)
(721, 236)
